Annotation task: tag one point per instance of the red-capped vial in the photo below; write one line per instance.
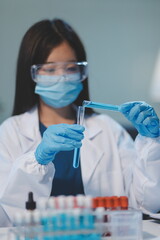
(116, 203)
(94, 202)
(101, 202)
(124, 202)
(108, 203)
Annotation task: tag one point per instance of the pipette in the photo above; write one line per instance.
(80, 118)
(90, 104)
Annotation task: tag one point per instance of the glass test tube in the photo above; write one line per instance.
(90, 104)
(80, 118)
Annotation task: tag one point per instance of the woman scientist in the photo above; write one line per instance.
(38, 141)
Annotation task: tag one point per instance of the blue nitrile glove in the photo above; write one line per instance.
(143, 117)
(60, 137)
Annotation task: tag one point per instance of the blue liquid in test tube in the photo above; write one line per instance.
(90, 104)
(80, 118)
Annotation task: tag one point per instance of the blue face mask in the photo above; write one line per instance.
(59, 93)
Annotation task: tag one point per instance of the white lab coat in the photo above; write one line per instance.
(109, 162)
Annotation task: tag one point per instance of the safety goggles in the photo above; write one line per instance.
(59, 71)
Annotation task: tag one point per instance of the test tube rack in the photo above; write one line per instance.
(79, 218)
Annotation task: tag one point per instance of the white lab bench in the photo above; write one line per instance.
(151, 231)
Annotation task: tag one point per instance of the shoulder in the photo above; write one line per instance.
(10, 123)
(16, 123)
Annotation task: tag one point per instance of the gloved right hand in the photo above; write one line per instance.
(59, 137)
(143, 118)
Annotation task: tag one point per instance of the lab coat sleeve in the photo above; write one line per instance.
(20, 173)
(26, 175)
(147, 174)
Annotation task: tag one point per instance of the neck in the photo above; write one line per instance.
(49, 116)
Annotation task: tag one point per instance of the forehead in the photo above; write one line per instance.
(62, 53)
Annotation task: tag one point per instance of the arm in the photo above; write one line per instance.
(148, 170)
(146, 177)
(31, 170)
(19, 173)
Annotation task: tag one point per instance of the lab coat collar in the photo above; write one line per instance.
(31, 129)
(30, 122)
(92, 128)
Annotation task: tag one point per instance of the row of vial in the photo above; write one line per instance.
(81, 201)
(70, 207)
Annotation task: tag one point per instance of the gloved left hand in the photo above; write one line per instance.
(56, 138)
(143, 117)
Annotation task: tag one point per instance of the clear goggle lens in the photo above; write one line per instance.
(60, 71)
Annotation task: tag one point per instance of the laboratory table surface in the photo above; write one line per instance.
(151, 230)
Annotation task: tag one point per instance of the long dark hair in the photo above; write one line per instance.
(36, 45)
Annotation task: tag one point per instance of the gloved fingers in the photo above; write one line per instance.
(151, 121)
(152, 125)
(57, 142)
(149, 127)
(61, 141)
(66, 130)
(67, 133)
(47, 149)
(76, 127)
(67, 146)
(126, 107)
(142, 130)
(136, 112)
(142, 115)
(147, 132)
(60, 146)
(64, 127)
